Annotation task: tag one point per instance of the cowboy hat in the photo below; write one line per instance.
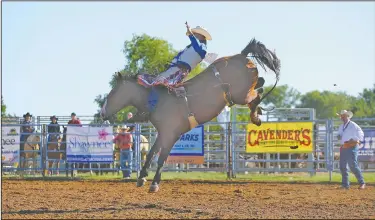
(27, 114)
(345, 112)
(124, 127)
(202, 31)
(53, 117)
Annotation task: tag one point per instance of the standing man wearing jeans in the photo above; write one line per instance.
(350, 135)
(125, 141)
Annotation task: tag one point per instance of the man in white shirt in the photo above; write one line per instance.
(350, 135)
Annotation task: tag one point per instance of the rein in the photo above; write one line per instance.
(225, 87)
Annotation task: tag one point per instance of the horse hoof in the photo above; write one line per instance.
(141, 182)
(154, 188)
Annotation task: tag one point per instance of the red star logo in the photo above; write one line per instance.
(102, 134)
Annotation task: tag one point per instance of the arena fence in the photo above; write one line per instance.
(224, 147)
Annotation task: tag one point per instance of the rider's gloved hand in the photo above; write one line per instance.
(188, 29)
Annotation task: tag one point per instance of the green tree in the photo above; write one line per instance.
(3, 107)
(282, 96)
(364, 104)
(326, 103)
(146, 54)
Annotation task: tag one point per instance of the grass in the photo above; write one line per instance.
(215, 176)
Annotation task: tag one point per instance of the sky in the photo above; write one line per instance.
(58, 56)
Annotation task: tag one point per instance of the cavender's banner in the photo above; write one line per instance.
(280, 137)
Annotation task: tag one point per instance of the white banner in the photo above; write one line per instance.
(89, 144)
(10, 145)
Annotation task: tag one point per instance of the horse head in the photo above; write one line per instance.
(124, 93)
(33, 141)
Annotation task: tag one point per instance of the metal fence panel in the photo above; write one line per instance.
(224, 147)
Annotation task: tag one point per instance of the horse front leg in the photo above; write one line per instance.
(255, 111)
(157, 178)
(155, 148)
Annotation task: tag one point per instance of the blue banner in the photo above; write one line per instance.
(367, 148)
(190, 143)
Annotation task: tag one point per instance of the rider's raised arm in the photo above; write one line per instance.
(199, 47)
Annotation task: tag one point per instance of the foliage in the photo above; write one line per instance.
(326, 103)
(3, 107)
(146, 54)
(282, 96)
(364, 104)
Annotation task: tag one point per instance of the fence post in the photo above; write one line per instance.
(137, 148)
(43, 149)
(331, 156)
(229, 153)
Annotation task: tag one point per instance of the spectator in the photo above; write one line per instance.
(124, 140)
(74, 119)
(26, 129)
(54, 128)
(77, 122)
(131, 130)
(350, 135)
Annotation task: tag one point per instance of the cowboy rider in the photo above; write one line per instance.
(185, 60)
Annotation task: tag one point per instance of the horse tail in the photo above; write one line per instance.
(264, 57)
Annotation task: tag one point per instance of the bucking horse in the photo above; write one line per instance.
(231, 80)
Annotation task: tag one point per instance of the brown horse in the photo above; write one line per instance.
(53, 157)
(31, 144)
(227, 81)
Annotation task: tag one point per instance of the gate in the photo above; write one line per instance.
(278, 162)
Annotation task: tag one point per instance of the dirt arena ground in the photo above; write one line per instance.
(182, 199)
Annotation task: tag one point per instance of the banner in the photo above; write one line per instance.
(280, 137)
(366, 152)
(190, 147)
(89, 144)
(10, 145)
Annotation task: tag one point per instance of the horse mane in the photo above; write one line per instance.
(263, 56)
(127, 76)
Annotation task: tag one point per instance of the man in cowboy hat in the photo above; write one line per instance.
(54, 128)
(185, 60)
(124, 141)
(26, 129)
(350, 135)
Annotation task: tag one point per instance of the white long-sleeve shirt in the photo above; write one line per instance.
(350, 130)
